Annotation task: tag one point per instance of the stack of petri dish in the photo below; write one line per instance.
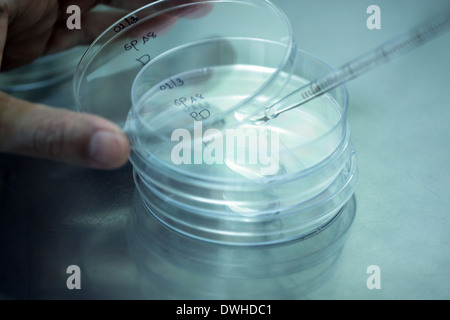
(223, 198)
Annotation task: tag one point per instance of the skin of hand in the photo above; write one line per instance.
(29, 29)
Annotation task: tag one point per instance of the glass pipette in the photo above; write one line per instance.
(380, 55)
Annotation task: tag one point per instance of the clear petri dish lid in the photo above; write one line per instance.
(45, 71)
(297, 144)
(148, 50)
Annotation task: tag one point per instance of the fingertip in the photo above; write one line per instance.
(108, 149)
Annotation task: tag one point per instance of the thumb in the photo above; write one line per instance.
(81, 139)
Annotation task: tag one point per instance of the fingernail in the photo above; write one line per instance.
(106, 149)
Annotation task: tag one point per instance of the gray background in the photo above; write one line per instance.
(400, 120)
(54, 215)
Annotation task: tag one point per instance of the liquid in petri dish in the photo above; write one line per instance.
(200, 130)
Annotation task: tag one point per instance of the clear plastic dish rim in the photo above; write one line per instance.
(66, 72)
(140, 155)
(109, 35)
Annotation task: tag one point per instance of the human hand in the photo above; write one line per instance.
(75, 138)
(29, 29)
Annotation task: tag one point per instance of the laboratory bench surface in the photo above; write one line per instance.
(54, 216)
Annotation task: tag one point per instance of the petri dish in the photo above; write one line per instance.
(104, 78)
(169, 265)
(310, 174)
(180, 77)
(43, 72)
